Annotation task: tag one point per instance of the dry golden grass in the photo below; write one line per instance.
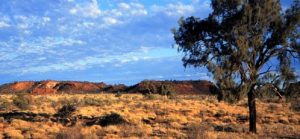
(182, 117)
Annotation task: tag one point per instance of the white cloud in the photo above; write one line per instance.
(37, 47)
(138, 9)
(177, 9)
(78, 35)
(88, 24)
(145, 49)
(23, 25)
(69, 42)
(137, 5)
(124, 6)
(116, 12)
(20, 17)
(46, 19)
(90, 9)
(4, 24)
(94, 9)
(126, 11)
(73, 11)
(122, 13)
(110, 21)
(84, 63)
(42, 58)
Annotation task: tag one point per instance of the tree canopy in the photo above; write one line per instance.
(238, 41)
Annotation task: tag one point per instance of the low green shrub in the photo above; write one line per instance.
(4, 104)
(150, 96)
(66, 110)
(23, 101)
(119, 94)
(91, 101)
(111, 119)
(41, 100)
(168, 91)
(69, 101)
(292, 92)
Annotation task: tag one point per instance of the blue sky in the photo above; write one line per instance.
(113, 41)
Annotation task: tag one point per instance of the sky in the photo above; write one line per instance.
(112, 41)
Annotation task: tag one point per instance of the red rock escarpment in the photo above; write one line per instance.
(53, 87)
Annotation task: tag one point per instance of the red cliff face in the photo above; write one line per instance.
(193, 87)
(180, 87)
(22, 86)
(80, 87)
(52, 87)
(44, 87)
(16, 87)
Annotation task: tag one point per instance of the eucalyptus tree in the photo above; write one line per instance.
(238, 41)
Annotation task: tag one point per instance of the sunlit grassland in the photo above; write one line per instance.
(190, 116)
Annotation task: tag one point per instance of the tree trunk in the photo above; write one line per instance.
(252, 110)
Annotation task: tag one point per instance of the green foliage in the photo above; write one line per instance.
(41, 100)
(228, 97)
(167, 90)
(293, 92)
(119, 94)
(92, 101)
(66, 110)
(157, 87)
(4, 104)
(266, 92)
(237, 41)
(231, 95)
(111, 119)
(150, 96)
(149, 86)
(23, 101)
(69, 101)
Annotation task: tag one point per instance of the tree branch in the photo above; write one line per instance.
(268, 70)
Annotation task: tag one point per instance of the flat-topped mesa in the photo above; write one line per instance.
(179, 87)
(75, 87)
(79, 87)
(52, 87)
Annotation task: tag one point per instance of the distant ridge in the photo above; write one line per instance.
(75, 87)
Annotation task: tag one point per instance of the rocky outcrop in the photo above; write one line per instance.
(17, 87)
(44, 87)
(115, 88)
(79, 87)
(53, 87)
(179, 87)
